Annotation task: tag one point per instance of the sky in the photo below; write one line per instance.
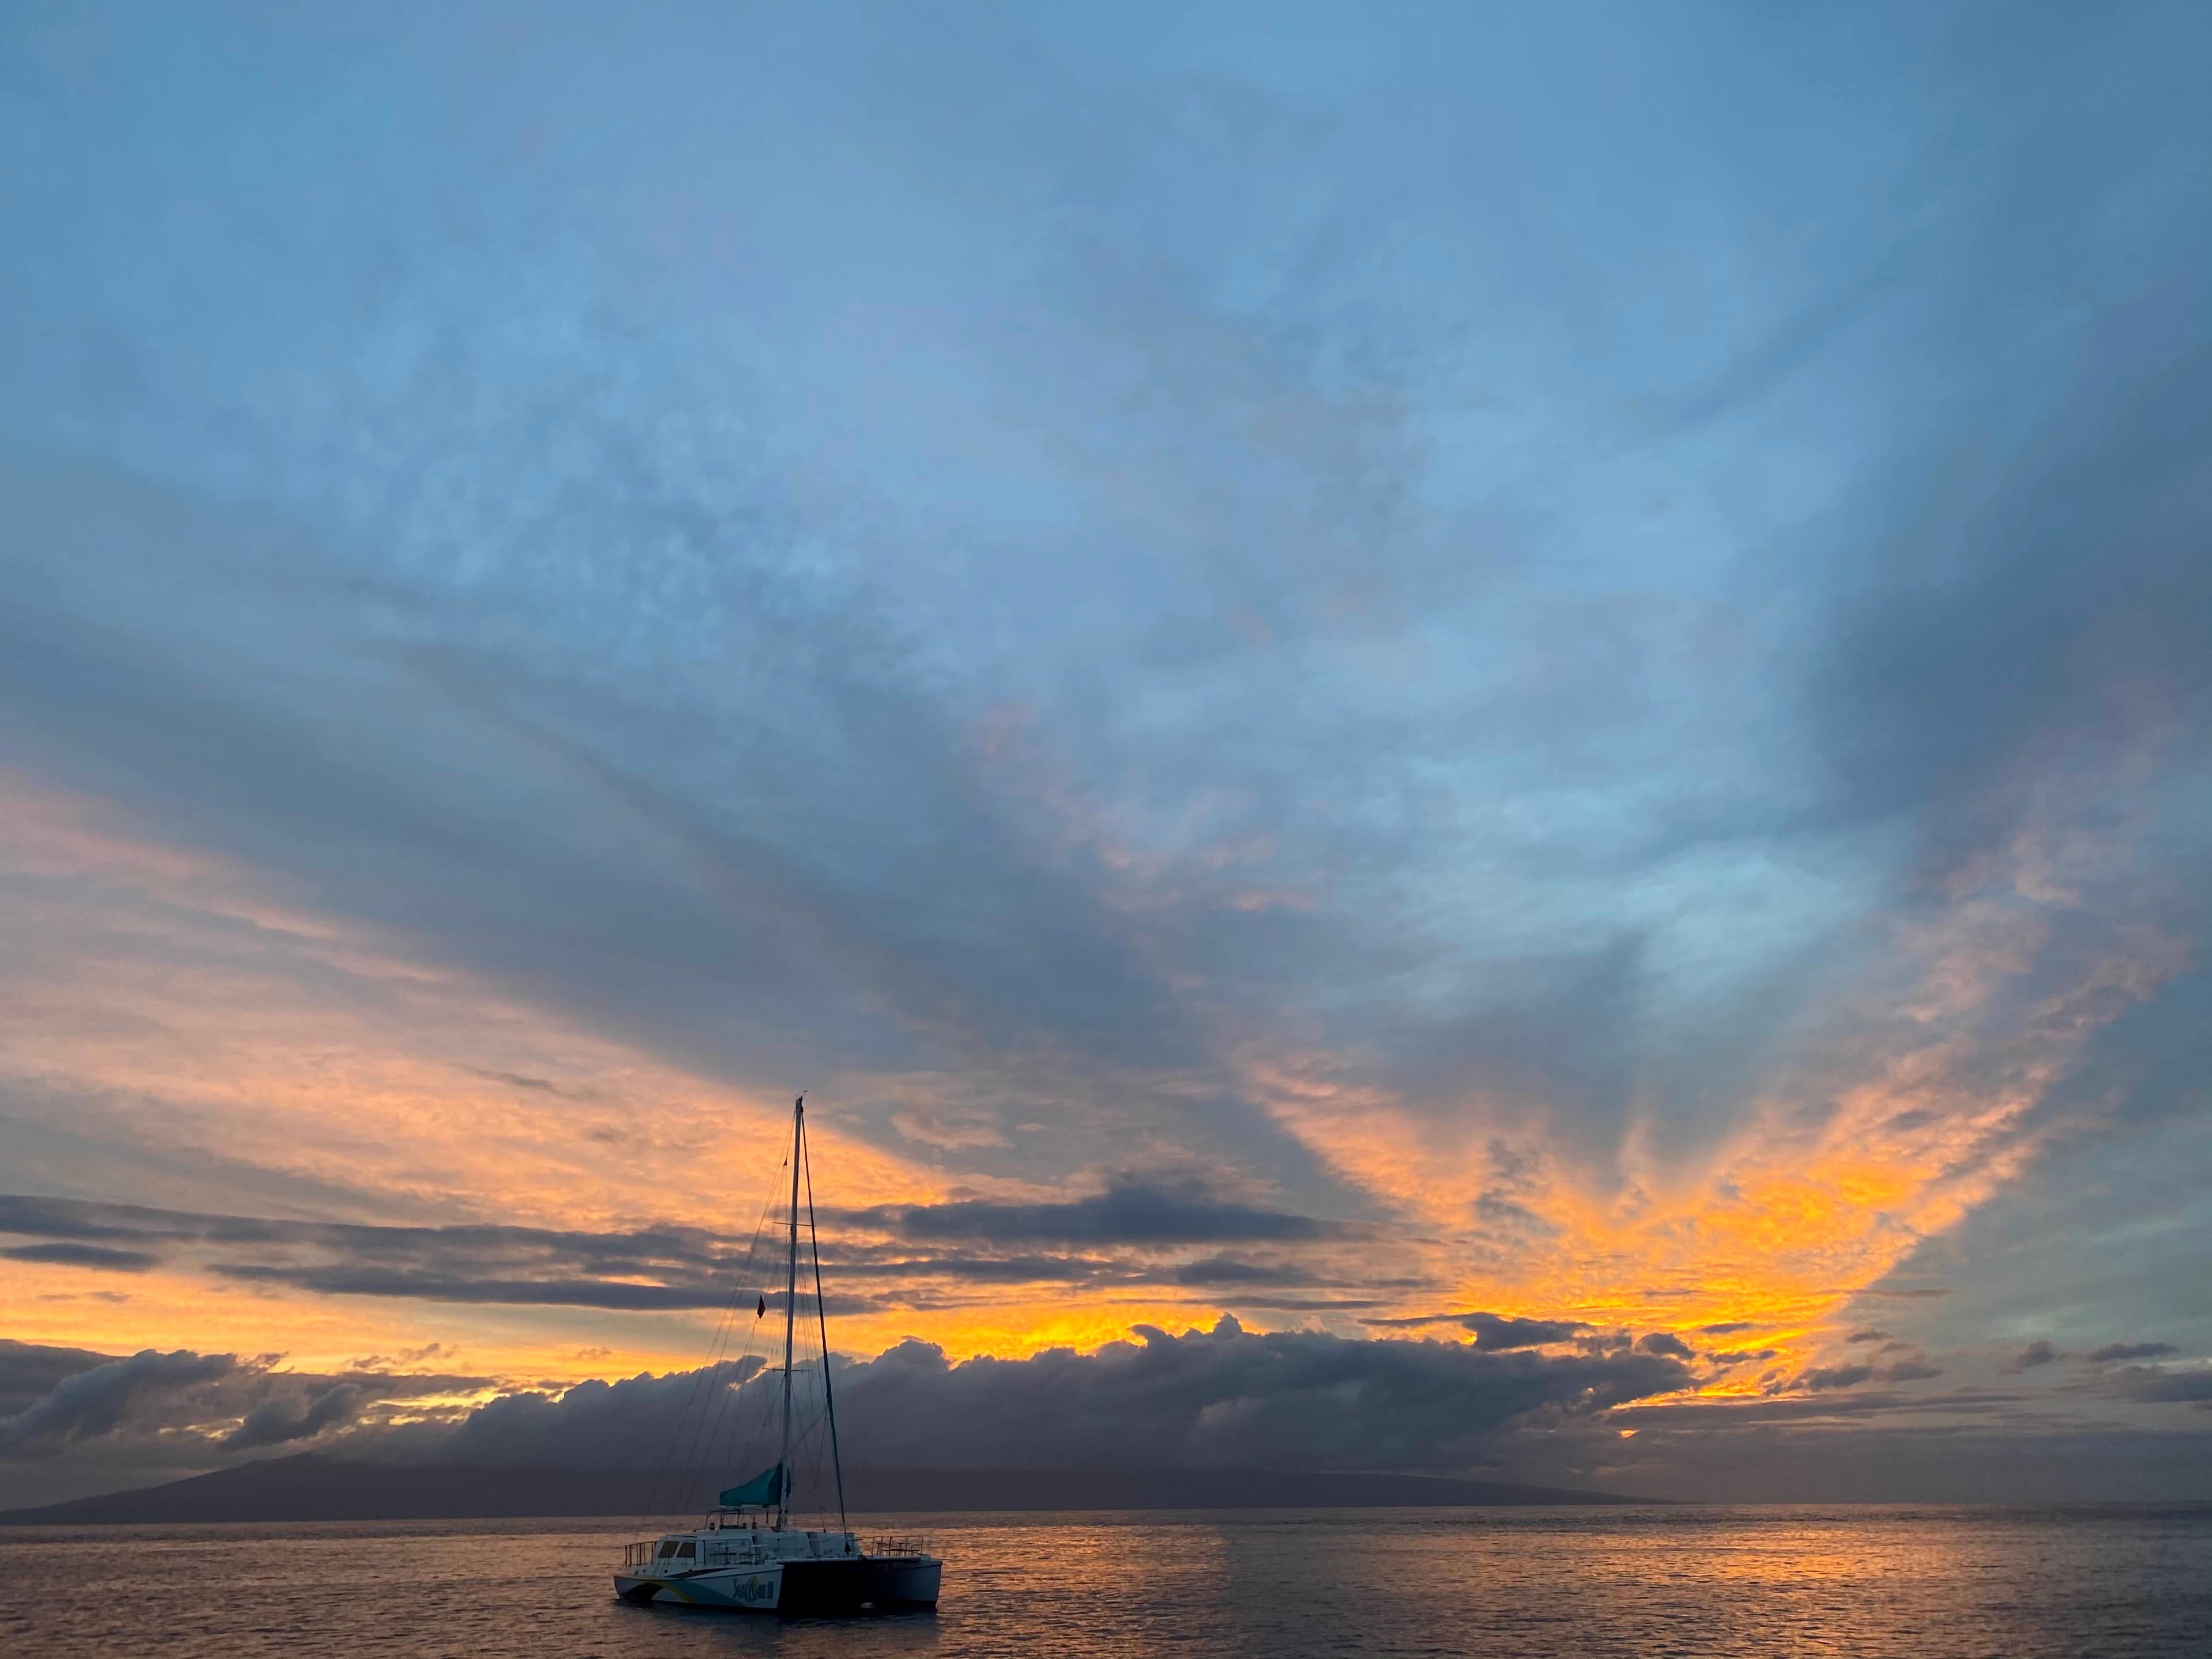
(1455, 737)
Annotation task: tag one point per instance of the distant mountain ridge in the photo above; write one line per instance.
(311, 1486)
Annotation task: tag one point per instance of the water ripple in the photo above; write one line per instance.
(2130, 1583)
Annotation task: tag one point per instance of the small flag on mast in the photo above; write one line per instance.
(761, 1312)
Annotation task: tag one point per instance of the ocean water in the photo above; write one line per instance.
(1914, 1584)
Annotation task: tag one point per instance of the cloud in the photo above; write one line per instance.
(1496, 1332)
(522, 1292)
(1135, 1209)
(1492, 1332)
(1912, 1371)
(1666, 1342)
(457, 1263)
(182, 1406)
(1913, 1368)
(82, 1255)
(1219, 1396)
(275, 1423)
(29, 1370)
(2167, 1387)
(2038, 1352)
(1743, 1356)
(95, 1403)
(1146, 1227)
(1835, 1377)
(2112, 1350)
(1223, 1396)
(1229, 1270)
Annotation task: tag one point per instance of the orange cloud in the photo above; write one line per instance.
(1821, 1192)
(171, 1006)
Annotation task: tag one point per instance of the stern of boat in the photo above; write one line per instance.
(906, 1581)
(859, 1584)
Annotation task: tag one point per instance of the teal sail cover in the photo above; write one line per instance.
(764, 1488)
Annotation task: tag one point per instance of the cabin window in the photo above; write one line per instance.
(687, 1552)
(667, 1548)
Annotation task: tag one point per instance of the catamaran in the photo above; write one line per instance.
(747, 1554)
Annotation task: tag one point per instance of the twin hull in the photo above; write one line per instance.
(801, 1586)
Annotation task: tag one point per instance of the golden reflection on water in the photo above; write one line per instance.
(1534, 1583)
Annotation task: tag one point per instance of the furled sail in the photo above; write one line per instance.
(764, 1489)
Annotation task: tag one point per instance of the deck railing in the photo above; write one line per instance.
(908, 1543)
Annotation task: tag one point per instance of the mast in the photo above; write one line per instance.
(790, 1309)
(822, 1320)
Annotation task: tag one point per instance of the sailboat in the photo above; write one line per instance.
(747, 1554)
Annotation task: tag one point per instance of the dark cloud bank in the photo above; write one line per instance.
(72, 1420)
(1223, 1396)
(1220, 1398)
(1139, 1231)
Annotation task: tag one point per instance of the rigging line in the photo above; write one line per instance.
(808, 1446)
(726, 1387)
(676, 1435)
(807, 1443)
(765, 1398)
(708, 1383)
(758, 1437)
(673, 1447)
(821, 1318)
(702, 1381)
(718, 1397)
(653, 1491)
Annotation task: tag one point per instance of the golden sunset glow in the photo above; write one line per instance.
(302, 1050)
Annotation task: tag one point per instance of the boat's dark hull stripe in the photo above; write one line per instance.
(800, 1587)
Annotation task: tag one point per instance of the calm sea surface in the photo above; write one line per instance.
(1877, 1582)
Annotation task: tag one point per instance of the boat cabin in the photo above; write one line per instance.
(738, 1539)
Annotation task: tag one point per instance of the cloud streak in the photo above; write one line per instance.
(872, 1254)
